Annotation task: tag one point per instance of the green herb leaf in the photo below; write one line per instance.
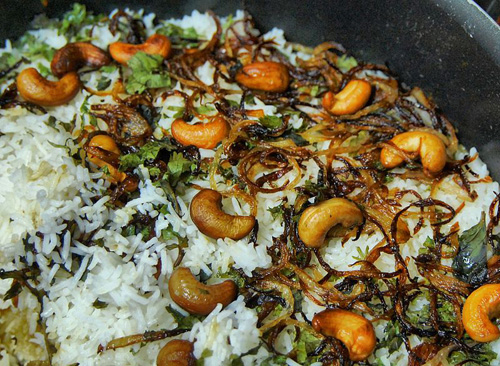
(480, 354)
(103, 83)
(148, 152)
(427, 247)
(470, 262)
(184, 322)
(172, 30)
(271, 122)
(276, 211)
(204, 109)
(177, 165)
(345, 63)
(146, 73)
(7, 60)
(98, 304)
(33, 47)
(109, 69)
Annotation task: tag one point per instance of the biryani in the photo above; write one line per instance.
(191, 191)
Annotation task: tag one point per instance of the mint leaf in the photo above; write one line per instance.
(148, 152)
(177, 165)
(146, 73)
(345, 63)
(271, 122)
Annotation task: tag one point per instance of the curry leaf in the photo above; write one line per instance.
(470, 262)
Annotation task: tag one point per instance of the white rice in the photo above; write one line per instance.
(43, 188)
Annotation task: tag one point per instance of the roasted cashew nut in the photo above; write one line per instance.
(157, 44)
(206, 213)
(317, 220)
(176, 353)
(36, 89)
(76, 55)
(202, 135)
(482, 305)
(267, 76)
(349, 100)
(430, 147)
(104, 143)
(353, 330)
(197, 298)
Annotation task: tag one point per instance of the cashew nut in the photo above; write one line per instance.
(482, 305)
(353, 330)
(207, 215)
(73, 56)
(197, 298)
(103, 145)
(157, 44)
(317, 220)
(176, 353)
(202, 135)
(267, 76)
(430, 147)
(349, 100)
(36, 89)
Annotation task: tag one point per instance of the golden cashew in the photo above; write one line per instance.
(353, 330)
(349, 100)
(430, 147)
(202, 135)
(482, 305)
(36, 89)
(267, 76)
(105, 144)
(207, 215)
(157, 44)
(317, 220)
(76, 55)
(176, 353)
(197, 298)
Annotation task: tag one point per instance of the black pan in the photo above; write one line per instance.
(450, 48)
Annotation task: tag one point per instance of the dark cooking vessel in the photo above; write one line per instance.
(450, 48)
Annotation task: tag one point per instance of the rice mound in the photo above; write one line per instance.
(43, 189)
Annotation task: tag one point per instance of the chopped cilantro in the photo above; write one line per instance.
(7, 60)
(427, 247)
(75, 19)
(33, 47)
(146, 73)
(179, 110)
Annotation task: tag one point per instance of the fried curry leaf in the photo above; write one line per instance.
(146, 73)
(470, 262)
